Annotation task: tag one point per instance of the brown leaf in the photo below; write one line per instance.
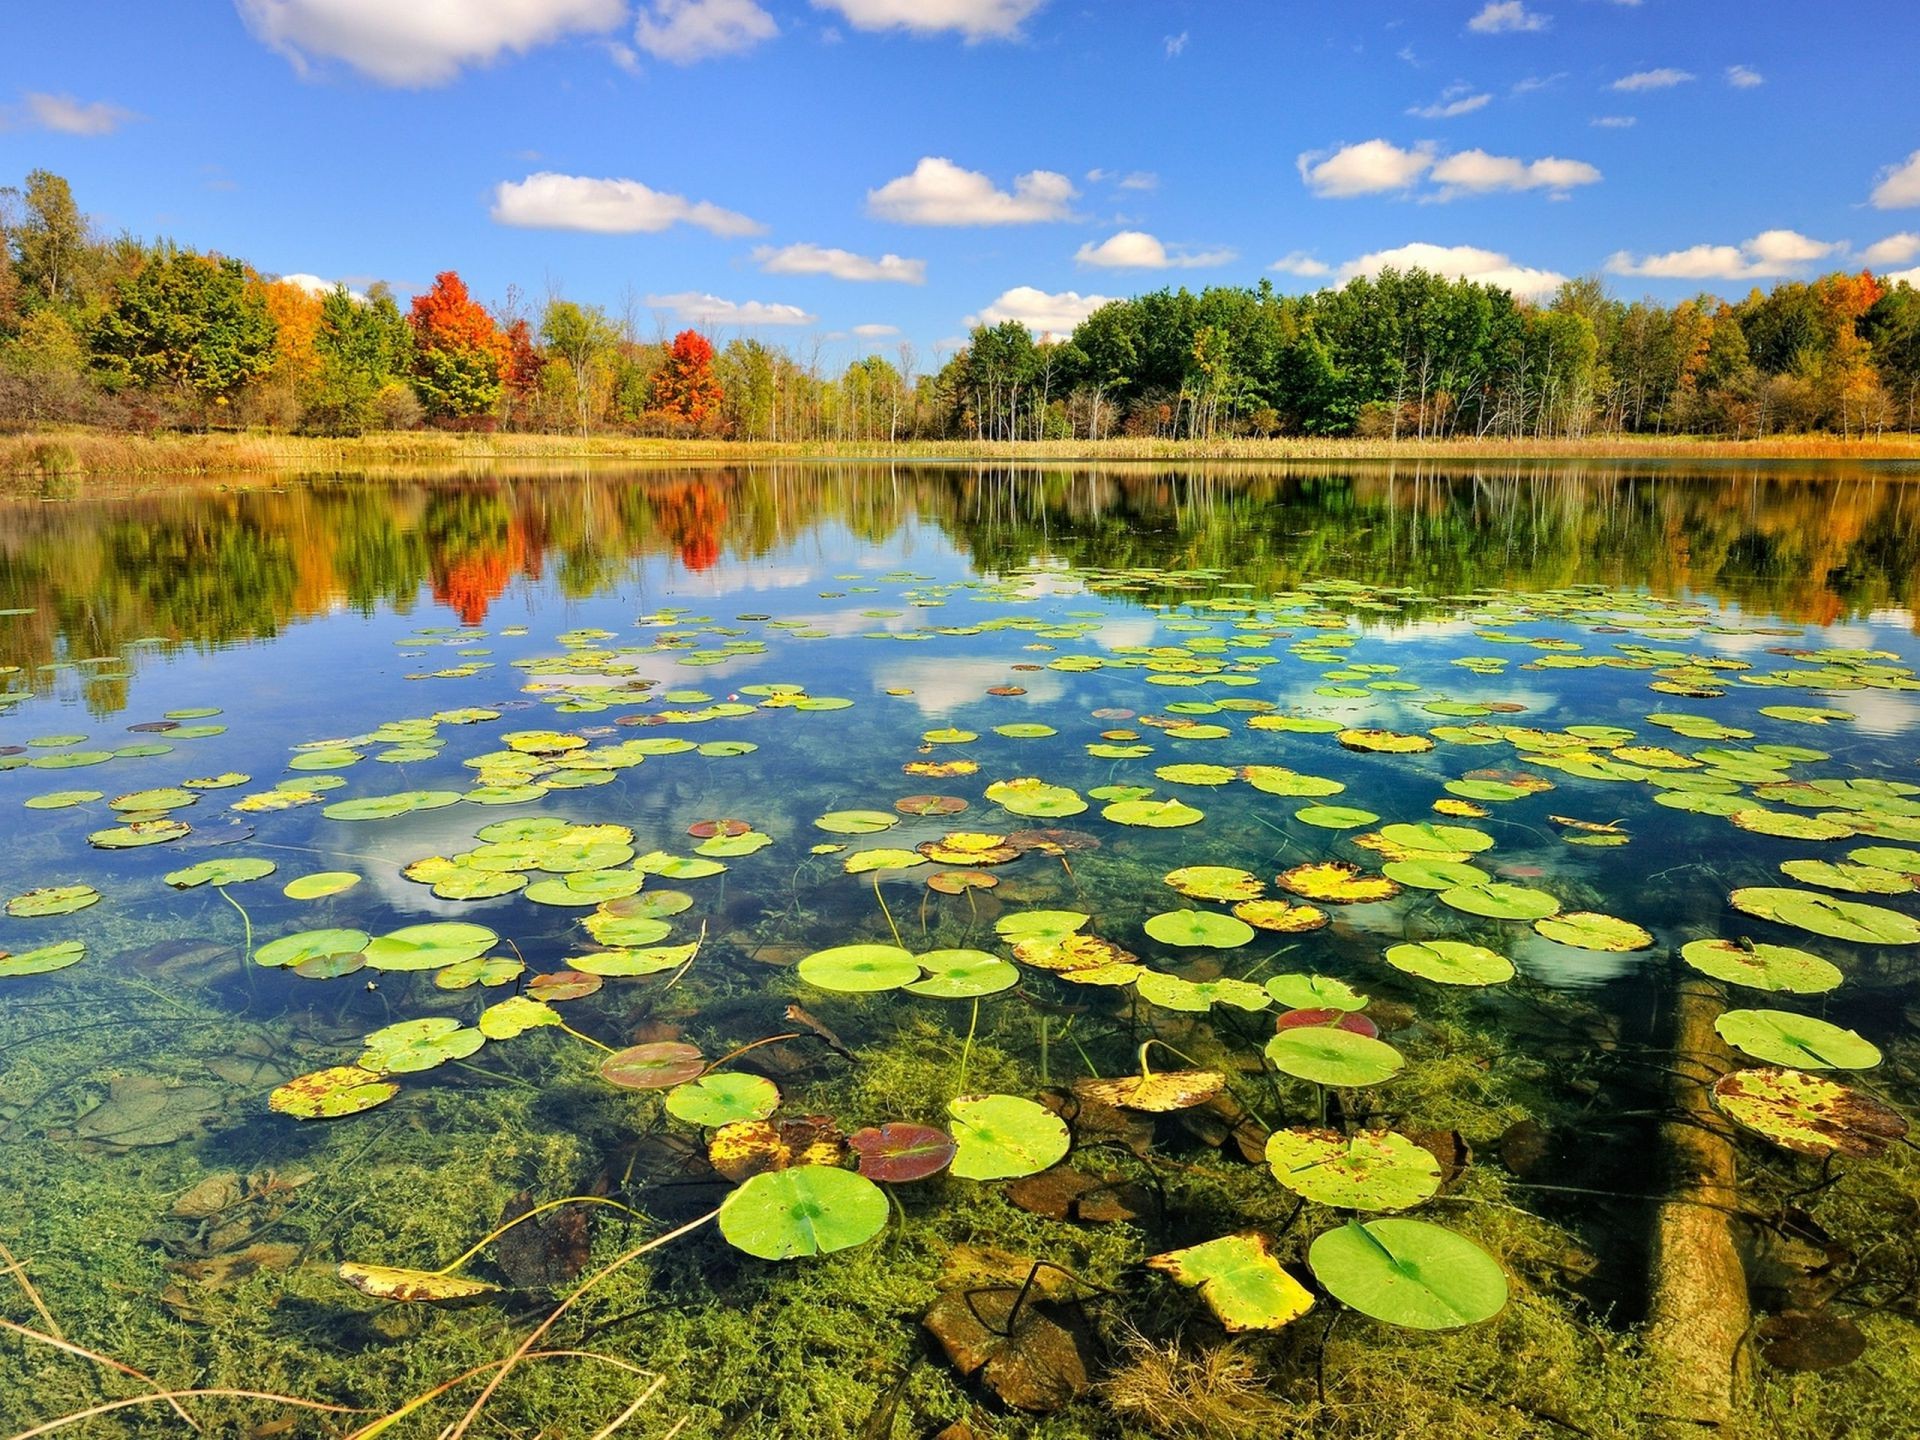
(547, 1250)
(1039, 1367)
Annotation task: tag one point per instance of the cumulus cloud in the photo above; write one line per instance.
(1911, 277)
(1664, 78)
(875, 332)
(683, 31)
(1132, 180)
(1458, 262)
(1454, 100)
(1299, 262)
(696, 308)
(939, 192)
(1047, 314)
(1137, 250)
(1369, 168)
(547, 201)
(1898, 186)
(1894, 250)
(419, 42)
(975, 19)
(64, 115)
(1477, 172)
(1770, 254)
(1507, 17)
(806, 259)
(1744, 77)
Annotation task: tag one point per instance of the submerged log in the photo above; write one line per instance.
(1699, 1310)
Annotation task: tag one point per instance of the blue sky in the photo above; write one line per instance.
(859, 173)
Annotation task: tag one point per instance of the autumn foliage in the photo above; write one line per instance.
(686, 389)
(460, 355)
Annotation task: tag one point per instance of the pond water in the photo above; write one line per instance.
(1309, 861)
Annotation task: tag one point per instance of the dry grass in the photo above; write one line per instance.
(76, 453)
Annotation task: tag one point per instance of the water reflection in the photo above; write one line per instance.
(104, 575)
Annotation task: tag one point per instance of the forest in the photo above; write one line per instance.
(128, 334)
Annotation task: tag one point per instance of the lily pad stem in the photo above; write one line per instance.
(541, 1209)
(966, 1051)
(246, 954)
(886, 912)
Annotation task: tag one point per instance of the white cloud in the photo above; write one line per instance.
(697, 308)
(546, 201)
(1615, 122)
(1894, 250)
(1454, 100)
(1175, 45)
(1744, 77)
(1770, 254)
(1140, 180)
(1299, 262)
(1898, 186)
(320, 289)
(419, 42)
(64, 115)
(1369, 168)
(1137, 250)
(1458, 262)
(875, 332)
(1506, 17)
(975, 19)
(1477, 172)
(939, 192)
(806, 259)
(1537, 82)
(1040, 311)
(1911, 277)
(683, 31)
(1664, 78)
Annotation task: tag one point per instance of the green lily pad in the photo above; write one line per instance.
(628, 964)
(63, 799)
(1762, 967)
(1196, 997)
(1586, 930)
(139, 833)
(330, 1093)
(859, 969)
(320, 885)
(1333, 1057)
(1334, 817)
(1039, 925)
(430, 946)
(962, 975)
(1439, 839)
(486, 970)
(1239, 1280)
(414, 1045)
(1408, 1272)
(862, 862)
(42, 960)
(715, 1100)
(1002, 1137)
(52, 900)
(221, 872)
(1451, 962)
(1435, 874)
(857, 822)
(1035, 798)
(1501, 901)
(1368, 1170)
(1215, 882)
(1784, 1038)
(1199, 928)
(1152, 814)
(1315, 992)
(308, 945)
(1854, 879)
(802, 1211)
(1838, 919)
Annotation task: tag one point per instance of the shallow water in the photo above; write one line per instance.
(663, 625)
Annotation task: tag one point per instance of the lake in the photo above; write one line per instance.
(1125, 950)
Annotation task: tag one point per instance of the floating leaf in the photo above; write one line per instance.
(754, 1147)
(1333, 1056)
(801, 1211)
(626, 964)
(1407, 1272)
(898, 1153)
(962, 975)
(391, 1282)
(1214, 882)
(1158, 1093)
(1315, 992)
(1280, 917)
(1170, 992)
(1451, 962)
(1501, 901)
(1855, 879)
(515, 1015)
(328, 1094)
(139, 833)
(1039, 925)
(52, 900)
(1034, 797)
(1587, 930)
(412, 1045)
(660, 1065)
(1762, 967)
(1152, 814)
(1002, 1137)
(859, 969)
(428, 947)
(1839, 919)
(723, 1099)
(1239, 1279)
(1334, 817)
(1434, 874)
(43, 960)
(1368, 1170)
(1384, 742)
(487, 970)
(308, 945)
(856, 822)
(1784, 1038)
(226, 871)
(318, 886)
(1338, 883)
(1198, 928)
(1808, 1113)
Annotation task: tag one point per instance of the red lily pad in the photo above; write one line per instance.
(1336, 1019)
(898, 1152)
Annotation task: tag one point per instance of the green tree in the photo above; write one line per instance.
(190, 324)
(53, 250)
(582, 336)
(364, 350)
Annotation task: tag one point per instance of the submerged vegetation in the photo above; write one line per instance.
(1130, 955)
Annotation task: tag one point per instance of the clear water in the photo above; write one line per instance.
(587, 604)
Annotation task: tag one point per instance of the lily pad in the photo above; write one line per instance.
(1781, 1037)
(43, 960)
(1338, 883)
(802, 1211)
(1198, 928)
(859, 969)
(330, 1093)
(412, 1045)
(1153, 814)
(1808, 1113)
(1408, 1272)
(1333, 1056)
(52, 900)
(1368, 1170)
(1451, 962)
(318, 886)
(429, 946)
(1215, 882)
(715, 1100)
(1280, 917)
(856, 822)
(1002, 1137)
(898, 1153)
(307, 945)
(1762, 967)
(1501, 901)
(231, 871)
(1587, 930)
(1838, 919)
(659, 1065)
(1239, 1280)
(1315, 992)
(962, 975)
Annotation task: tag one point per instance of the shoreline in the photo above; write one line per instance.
(72, 454)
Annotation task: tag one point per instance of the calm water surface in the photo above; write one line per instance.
(225, 672)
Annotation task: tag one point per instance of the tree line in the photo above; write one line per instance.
(116, 331)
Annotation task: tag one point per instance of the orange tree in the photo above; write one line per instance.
(459, 354)
(685, 388)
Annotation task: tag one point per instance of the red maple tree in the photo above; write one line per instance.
(685, 387)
